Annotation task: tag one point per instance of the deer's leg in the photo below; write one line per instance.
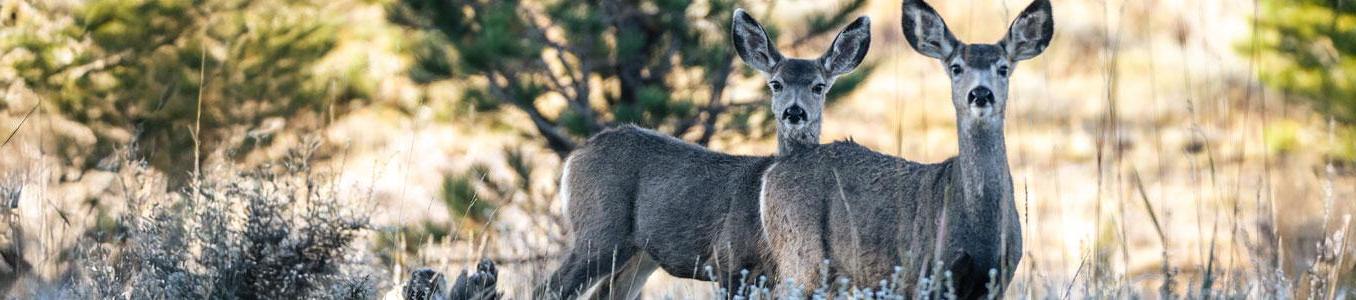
(629, 281)
(602, 247)
(583, 267)
(792, 226)
(799, 261)
(601, 211)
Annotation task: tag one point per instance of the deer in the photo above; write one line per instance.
(636, 200)
(865, 213)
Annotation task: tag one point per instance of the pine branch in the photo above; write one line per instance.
(822, 24)
(558, 141)
(719, 80)
(579, 100)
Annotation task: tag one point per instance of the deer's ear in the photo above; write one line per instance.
(1030, 33)
(926, 31)
(752, 43)
(849, 48)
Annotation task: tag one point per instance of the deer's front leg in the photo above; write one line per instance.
(792, 226)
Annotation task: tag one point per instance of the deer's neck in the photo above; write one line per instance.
(984, 177)
(791, 140)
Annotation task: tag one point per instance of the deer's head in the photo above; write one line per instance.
(979, 72)
(799, 85)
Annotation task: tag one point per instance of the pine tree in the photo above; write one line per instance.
(662, 64)
(1308, 49)
(152, 73)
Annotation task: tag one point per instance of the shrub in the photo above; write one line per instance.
(275, 233)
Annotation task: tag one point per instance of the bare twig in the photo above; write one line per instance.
(1166, 288)
(197, 119)
(1139, 184)
(1334, 276)
(1069, 287)
(21, 122)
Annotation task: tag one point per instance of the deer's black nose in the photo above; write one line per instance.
(794, 114)
(981, 97)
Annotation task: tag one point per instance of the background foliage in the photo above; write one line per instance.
(577, 67)
(1310, 46)
(1308, 50)
(152, 72)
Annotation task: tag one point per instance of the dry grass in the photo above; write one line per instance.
(1144, 153)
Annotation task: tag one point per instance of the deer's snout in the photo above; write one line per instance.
(795, 114)
(981, 97)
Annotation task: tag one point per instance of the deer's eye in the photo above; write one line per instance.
(956, 70)
(1003, 71)
(818, 88)
(776, 86)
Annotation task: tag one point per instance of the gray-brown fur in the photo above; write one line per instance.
(637, 199)
(868, 212)
(634, 190)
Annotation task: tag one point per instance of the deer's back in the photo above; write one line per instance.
(683, 198)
